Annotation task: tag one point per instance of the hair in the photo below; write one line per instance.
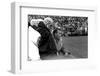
(48, 20)
(35, 22)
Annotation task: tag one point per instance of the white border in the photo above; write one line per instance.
(17, 62)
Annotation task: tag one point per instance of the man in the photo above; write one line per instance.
(57, 33)
(57, 36)
(46, 44)
(49, 24)
(33, 40)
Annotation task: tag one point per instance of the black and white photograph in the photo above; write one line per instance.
(53, 37)
(48, 39)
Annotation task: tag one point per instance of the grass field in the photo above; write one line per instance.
(78, 46)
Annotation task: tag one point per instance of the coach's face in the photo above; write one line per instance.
(50, 25)
(48, 22)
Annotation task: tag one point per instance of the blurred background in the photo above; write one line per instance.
(70, 25)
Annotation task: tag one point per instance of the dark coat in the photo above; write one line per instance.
(46, 43)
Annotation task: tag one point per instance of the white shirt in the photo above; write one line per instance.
(33, 49)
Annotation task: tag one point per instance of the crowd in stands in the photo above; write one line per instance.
(70, 25)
